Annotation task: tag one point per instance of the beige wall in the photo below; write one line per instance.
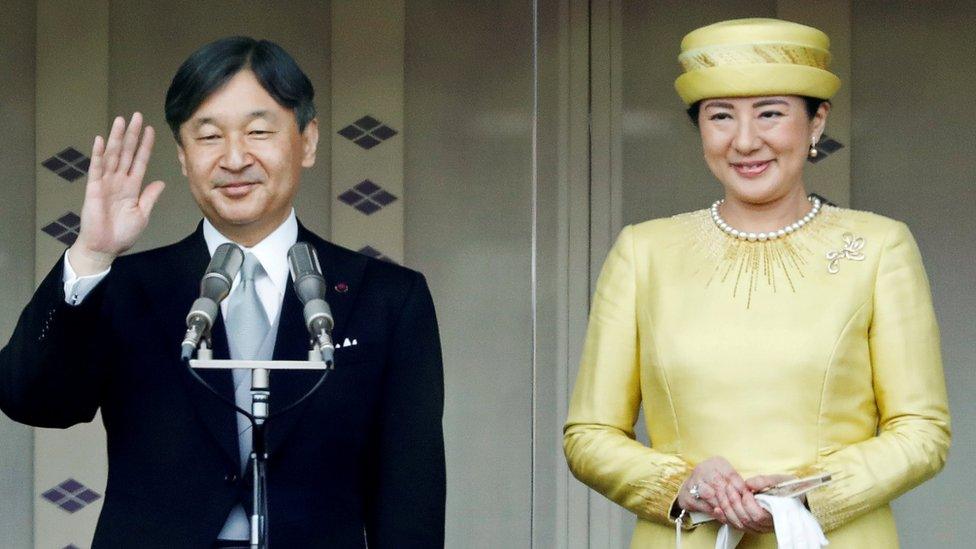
(914, 160)
(468, 193)
(17, 27)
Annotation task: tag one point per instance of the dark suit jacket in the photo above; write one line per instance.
(361, 461)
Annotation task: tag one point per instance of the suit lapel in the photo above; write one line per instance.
(293, 340)
(216, 415)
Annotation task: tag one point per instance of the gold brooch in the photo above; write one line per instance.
(851, 250)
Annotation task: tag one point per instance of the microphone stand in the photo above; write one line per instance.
(260, 401)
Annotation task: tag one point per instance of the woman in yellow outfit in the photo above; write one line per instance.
(767, 337)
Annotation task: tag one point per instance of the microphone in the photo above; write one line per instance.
(214, 287)
(306, 274)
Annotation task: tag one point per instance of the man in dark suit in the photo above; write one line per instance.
(361, 462)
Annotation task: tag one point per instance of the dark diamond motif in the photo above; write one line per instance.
(70, 220)
(53, 495)
(351, 132)
(53, 164)
(384, 132)
(71, 485)
(88, 496)
(371, 252)
(368, 207)
(367, 142)
(71, 546)
(825, 147)
(383, 198)
(350, 197)
(70, 155)
(54, 229)
(69, 164)
(375, 254)
(71, 174)
(367, 187)
(367, 197)
(71, 505)
(65, 230)
(367, 132)
(71, 495)
(829, 145)
(367, 122)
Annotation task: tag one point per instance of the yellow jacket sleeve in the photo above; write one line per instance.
(913, 431)
(599, 438)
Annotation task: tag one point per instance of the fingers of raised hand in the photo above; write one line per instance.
(150, 195)
(141, 160)
(129, 142)
(113, 146)
(126, 152)
(96, 166)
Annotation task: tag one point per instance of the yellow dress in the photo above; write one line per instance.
(814, 352)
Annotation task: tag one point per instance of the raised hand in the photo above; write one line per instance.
(723, 494)
(117, 207)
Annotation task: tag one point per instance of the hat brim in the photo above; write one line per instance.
(756, 80)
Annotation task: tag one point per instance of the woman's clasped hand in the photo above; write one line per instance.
(718, 490)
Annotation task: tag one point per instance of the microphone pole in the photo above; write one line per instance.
(310, 287)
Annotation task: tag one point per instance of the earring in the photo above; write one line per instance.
(813, 148)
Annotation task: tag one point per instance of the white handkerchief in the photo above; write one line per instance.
(795, 526)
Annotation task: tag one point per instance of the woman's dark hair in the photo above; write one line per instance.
(812, 104)
(211, 66)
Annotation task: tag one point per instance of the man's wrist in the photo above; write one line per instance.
(85, 262)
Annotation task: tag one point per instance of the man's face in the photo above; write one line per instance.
(243, 155)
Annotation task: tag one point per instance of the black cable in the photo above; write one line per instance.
(248, 415)
(224, 399)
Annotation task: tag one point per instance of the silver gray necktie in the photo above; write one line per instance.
(247, 322)
(247, 327)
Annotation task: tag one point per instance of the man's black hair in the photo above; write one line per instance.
(811, 103)
(211, 66)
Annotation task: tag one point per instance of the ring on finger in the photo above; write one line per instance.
(693, 491)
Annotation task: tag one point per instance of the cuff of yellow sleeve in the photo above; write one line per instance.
(660, 493)
(832, 505)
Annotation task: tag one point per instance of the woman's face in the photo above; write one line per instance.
(757, 146)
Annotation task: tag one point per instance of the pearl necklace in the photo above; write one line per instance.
(771, 235)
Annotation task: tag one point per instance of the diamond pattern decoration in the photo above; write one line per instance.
(374, 253)
(71, 496)
(65, 228)
(367, 197)
(68, 164)
(367, 132)
(825, 147)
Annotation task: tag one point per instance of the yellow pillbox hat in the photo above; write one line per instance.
(752, 57)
